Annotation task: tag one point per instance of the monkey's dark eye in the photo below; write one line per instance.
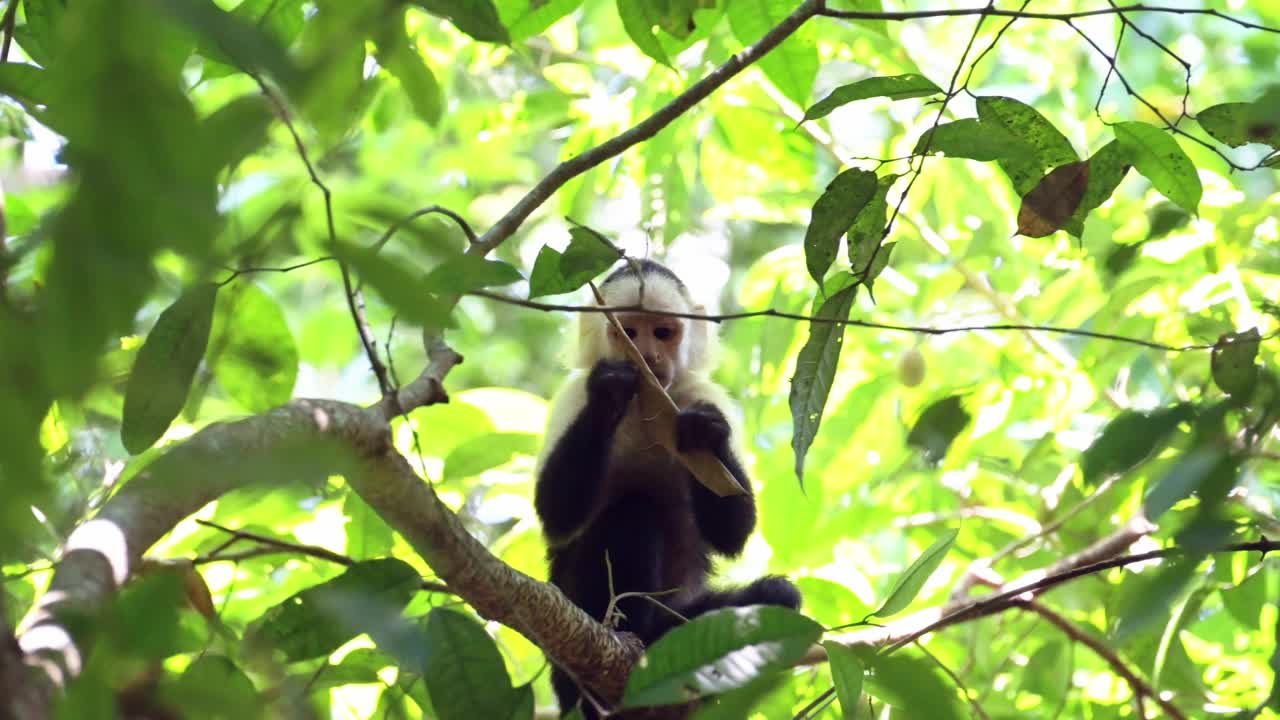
(662, 333)
(631, 332)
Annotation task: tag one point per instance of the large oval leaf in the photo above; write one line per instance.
(975, 140)
(1049, 147)
(165, 366)
(1238, 124)
(894, 87)
(1129, 439)
(815, 371)
(914, 686)
(908, 584)
(367, 598)
(1162, 161)
(793, 65)
(719, 651)
(846, 672)
(833, 214)
(465, 674)
(255, 358)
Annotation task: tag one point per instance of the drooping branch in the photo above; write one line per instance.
(307, 440)
(1141, 688)
(641, 131)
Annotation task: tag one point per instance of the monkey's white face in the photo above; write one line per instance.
(658, 338)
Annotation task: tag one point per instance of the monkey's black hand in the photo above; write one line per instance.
(612, 384)
(701, 426)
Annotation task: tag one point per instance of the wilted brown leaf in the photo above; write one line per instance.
(1053, 200)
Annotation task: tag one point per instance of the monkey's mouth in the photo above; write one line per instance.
(663, 374)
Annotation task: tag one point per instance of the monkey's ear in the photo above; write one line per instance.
(701, 338)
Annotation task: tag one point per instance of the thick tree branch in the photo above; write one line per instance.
(308, 440)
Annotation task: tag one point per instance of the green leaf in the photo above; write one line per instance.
(815, 372)
(151, 601)
(1048, 671)
(585, 258)
(399, 287)
(638, 19)
(165, 366)
(462, 273)
(465, 675)
(27, 84)
(1237, 124)
(737, 704)
(1188, 475)
(1129, 439)
(846, 672)
(477, 18)
(912, 685)
(833, 214)
(1162, 161)
(719, 651)
(1049, 147)
(368, 535)
(939, 425)
(793, 65)
(38, 36)
(318, 620)
(1154, 593)
(894, 87)
(483, 452)
(974, 140)
(281, 19)
(908, 584)
(397, 53)
(1164, 218)
(1107, 168)
(526, 18)
(237, 129)
(1233, 365)
(238, 38)
(867, 232)
(255, 359)
(213, 687)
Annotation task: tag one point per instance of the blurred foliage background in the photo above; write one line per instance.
(142, 158)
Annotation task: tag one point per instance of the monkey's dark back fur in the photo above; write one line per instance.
(656, 524)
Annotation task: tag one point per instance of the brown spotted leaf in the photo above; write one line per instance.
(1050, 204)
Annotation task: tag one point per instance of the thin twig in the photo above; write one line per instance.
(461, 222)
(641, 131)
(1141, 688)
(955, 679)
(923, 330)
(999, 601)
(1061, 17)
(237, 272)
(917, 169)
(269, 543)
(355, 300)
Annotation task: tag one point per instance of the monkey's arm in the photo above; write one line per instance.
(726, 522)
(579, 435)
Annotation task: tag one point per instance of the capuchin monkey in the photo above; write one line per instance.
(606, 488)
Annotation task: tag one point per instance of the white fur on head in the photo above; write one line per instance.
(653, 291)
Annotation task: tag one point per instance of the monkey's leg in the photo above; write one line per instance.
(637, 549)
(768, 590)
